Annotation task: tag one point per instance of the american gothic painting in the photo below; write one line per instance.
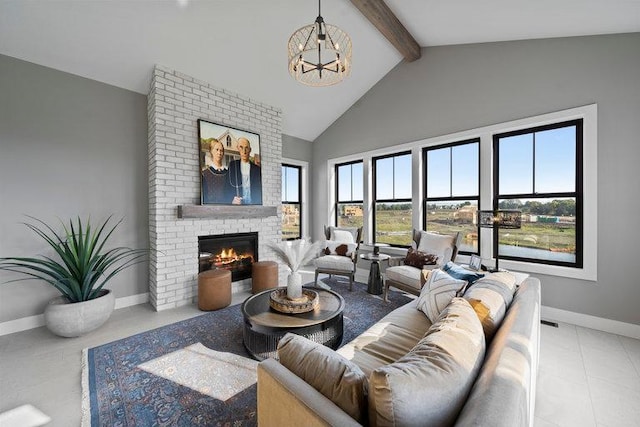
(229, 165)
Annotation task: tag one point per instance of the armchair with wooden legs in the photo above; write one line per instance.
(340, 253)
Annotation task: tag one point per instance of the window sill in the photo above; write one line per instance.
(585, 273)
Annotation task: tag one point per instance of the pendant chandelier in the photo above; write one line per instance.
(309, 46)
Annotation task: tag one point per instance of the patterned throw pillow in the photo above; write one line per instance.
(339, 248)
(419, 259)
(437, 293)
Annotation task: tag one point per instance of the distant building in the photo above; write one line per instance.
(466, 213)
(353, 211)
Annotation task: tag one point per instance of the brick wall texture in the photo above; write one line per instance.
(175, 103)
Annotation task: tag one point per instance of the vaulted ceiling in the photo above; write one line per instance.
(240, 45)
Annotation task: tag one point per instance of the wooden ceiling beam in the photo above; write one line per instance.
(379, 14)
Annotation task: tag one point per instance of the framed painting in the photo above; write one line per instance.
(230, 172)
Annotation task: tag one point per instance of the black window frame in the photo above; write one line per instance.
(426, 199)
(299, 202)
(337, 188)
(578, 193)
(375, 192)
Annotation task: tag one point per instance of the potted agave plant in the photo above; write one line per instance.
(83, 269)
(294, 254)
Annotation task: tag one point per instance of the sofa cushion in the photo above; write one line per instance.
(437, 292)
(430, 384)
(334, 262)
(439, 244)
(343, 234)
(490, 297)
(388, 339)
(406, 275)
(332, 247)
(419, 259)
(335, 377)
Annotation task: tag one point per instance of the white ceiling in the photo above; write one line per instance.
(240, 45)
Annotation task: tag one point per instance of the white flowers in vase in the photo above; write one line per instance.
(294, 254)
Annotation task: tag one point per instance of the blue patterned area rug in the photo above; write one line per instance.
(195, 372)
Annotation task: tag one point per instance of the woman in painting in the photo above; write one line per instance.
(215, 186)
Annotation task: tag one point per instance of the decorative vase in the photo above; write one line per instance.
(294, 286)
(75, 319)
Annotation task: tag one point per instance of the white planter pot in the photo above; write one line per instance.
(75, 319)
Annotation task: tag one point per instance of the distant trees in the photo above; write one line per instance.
(562, 207)
(393, 207)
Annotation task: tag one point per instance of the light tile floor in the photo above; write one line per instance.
(586, 377)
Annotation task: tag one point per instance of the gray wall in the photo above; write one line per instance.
(297, 148)
(456, 88)
(68, 146)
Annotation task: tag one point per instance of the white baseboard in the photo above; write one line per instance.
(132, 300)
(31, 322)
(591, 322)
(21, 324)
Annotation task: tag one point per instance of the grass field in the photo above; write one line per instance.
(394, 227)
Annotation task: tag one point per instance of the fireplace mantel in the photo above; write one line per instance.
(226, 212)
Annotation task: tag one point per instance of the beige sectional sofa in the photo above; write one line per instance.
(468, 386)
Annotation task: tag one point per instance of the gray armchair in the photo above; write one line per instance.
(340, 253)
(409, 278)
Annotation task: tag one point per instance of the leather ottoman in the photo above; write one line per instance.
(214, 289)
(264, 275)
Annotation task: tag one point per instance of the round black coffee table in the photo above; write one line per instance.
(264, 326)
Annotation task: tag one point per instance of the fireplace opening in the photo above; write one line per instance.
(234, 252)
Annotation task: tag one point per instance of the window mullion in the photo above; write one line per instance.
(533, 169)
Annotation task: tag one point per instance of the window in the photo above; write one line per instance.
(538, 171)
(392, 195)
(350, 190)
(452, 191)
(291, 198)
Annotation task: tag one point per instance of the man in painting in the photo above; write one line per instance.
(215, 184)
(245, 177)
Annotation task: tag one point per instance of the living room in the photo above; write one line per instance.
(77, 144)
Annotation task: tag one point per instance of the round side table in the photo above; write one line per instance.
(374, 286)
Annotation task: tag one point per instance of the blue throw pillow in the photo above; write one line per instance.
(454, 270)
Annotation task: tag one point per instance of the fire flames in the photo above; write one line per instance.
(229, 258)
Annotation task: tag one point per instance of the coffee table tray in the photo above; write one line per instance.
(278, 301)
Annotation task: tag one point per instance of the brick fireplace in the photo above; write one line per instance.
(175, 103)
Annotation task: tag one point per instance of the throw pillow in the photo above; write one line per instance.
(438, 291)
(342, 235)
(339, 248)
(490, 297)
(419, 259)
(462, 273)
(336, 377)
(439, 244)
(429, 385)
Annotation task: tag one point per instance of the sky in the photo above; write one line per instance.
(453, 171)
